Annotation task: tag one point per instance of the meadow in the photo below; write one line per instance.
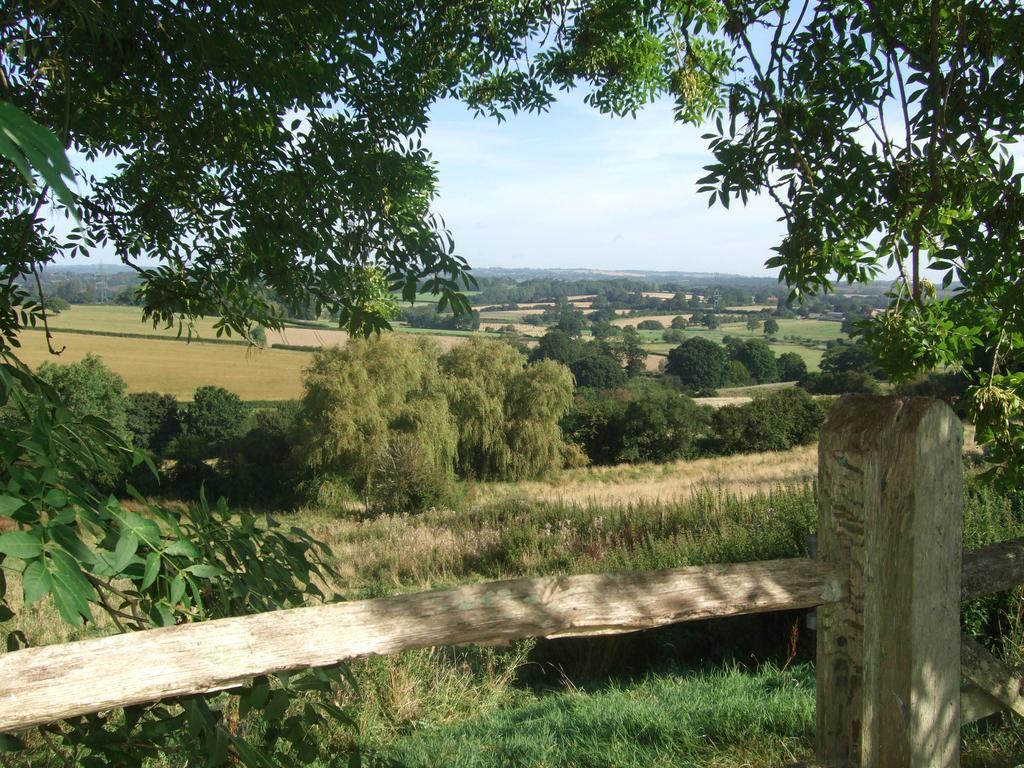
(728, 693)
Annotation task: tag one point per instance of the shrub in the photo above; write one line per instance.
(645, 422)
(258, 468)
(595, 424)
(430, 317)
(405, 480)
(949, 387)
(328, 493)
(660, 424)
(842, 356)
(597, 371)
(773, 422)
(847, 382)
(554, 345)
(89, 388)
(757, 357)
(605, 330)
(738, 375)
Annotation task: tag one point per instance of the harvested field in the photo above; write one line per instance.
(664, 319)
(315, 337)
(168, 364)
(718, 402)
(307, 337)
(653, 362)
(664, 295)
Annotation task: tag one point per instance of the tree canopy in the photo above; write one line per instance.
(698, 363)
(249, 150)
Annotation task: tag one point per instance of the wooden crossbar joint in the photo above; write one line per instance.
(992, 676)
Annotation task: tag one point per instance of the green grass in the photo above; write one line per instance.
(647, 699)
(715, 718)
(671, 697)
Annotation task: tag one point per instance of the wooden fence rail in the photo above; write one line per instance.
(888, 581)
(38, 685)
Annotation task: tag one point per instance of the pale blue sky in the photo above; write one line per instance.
(571, 188)
(574, 188)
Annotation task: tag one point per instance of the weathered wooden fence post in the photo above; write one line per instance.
(890, 511)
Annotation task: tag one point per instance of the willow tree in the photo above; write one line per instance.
(508, 413)
(537, 401)
(359, 398)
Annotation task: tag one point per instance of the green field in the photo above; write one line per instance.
(806, 338)
(811, 330)
(403, 328)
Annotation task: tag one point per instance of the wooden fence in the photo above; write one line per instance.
(887, 582)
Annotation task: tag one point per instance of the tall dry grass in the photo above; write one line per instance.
(741, 475)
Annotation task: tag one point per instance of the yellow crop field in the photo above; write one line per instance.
(165, 363)
(177, 367)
